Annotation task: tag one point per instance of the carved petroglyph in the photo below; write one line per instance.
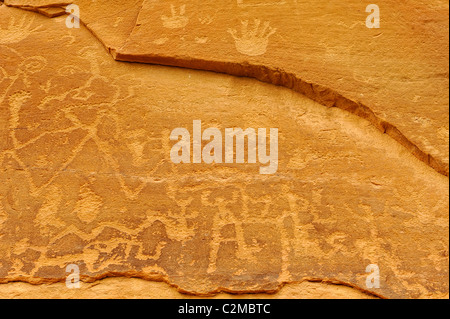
(177, 19)
(86, 179)
(16, 32)
(253, 40)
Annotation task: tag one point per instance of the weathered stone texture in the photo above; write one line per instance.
(85, 169)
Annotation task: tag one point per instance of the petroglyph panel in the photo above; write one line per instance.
(395, 76)
(86, 179)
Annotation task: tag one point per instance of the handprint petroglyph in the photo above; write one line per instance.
(253, 42)
(16, 32)
(177, 20)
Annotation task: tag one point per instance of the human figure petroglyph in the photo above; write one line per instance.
(161, 41)
(3, 215)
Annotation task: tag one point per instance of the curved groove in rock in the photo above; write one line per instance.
(219, 290)
(279, 77)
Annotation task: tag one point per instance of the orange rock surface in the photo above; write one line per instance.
(396, 76)
(86, 176)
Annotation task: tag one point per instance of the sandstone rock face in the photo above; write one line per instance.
(396, 76)
(86, 175)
